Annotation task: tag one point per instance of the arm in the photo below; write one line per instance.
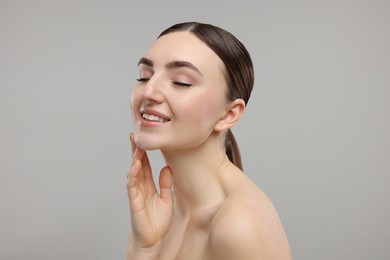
(151, 213)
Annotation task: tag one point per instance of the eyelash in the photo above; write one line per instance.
(142, 79)
(180, 84)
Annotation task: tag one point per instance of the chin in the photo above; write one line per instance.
(145, 143)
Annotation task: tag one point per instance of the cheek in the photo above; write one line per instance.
(134, 107)
(205, 111)
(134, 99)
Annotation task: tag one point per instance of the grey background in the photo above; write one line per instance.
(315, 136)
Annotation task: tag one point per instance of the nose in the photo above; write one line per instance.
(152, 90)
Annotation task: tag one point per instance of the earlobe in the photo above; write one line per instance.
(234, 111)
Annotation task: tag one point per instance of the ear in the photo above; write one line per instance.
(233, 113)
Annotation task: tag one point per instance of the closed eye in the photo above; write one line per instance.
(142, 79)
(181, 84)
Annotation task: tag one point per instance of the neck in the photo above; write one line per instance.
(197, 176)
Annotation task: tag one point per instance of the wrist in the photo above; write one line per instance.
(141, 253)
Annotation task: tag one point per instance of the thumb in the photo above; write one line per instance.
(165, 182)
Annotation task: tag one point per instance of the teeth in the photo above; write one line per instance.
(153, 118)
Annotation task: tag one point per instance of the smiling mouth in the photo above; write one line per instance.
(153, 118)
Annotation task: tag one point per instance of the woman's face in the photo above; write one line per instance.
(181, 93)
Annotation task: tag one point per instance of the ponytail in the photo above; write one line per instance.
(232, 150)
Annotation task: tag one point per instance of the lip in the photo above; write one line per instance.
(148, 123)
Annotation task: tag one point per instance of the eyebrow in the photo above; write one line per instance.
(172, 64)
(146, 61)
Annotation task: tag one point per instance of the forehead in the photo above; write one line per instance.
(184, 46)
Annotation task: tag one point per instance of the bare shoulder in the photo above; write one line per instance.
(247, 226)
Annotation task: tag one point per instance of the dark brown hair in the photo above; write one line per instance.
(239, 73)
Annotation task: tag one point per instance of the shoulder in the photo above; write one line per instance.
(246, 226)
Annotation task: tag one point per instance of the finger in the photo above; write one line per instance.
(133, 150)
(133, 146)
(137, 156)
(148, 174)
(165, 182)
(135, 191)
(133, 179)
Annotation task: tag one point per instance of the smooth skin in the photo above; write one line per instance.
(207, 208)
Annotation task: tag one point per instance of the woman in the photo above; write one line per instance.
(194, 84)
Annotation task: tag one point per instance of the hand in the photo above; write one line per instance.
(151, 213)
